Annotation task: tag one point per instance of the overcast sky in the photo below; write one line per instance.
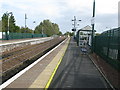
(62, 12)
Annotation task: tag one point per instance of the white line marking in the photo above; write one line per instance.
(5, 84)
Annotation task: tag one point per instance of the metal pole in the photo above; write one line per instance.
(8, 28)
(92, 36)
(74, 22)
(74, 25)
(25, 20)
(42, 30)
(33, 30)
(118, 57)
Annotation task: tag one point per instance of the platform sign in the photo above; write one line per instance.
(93, 20)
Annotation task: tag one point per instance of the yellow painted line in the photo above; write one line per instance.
(48, 84)
(45, 78)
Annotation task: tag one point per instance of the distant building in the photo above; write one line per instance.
(84, 34)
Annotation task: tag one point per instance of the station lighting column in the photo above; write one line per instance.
(25, 20)
(93, 24)
(33, 29)
(7, 34)
(25, 23)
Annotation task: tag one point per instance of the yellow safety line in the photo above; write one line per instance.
(51, 77)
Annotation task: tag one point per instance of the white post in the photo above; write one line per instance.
(8, 24)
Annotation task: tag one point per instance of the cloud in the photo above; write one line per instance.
(107, 6)
(106, 22)
(62, 11)
(48, 8)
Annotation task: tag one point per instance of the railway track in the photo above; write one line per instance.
(17, 50)
(17, 59)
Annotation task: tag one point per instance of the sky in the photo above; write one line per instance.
(62, 12)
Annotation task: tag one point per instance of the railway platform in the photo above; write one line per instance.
(18, 40)
(78, 71)
(63, 67)
(6, 45)
(39, 73)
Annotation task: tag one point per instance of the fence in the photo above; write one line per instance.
(20, 36)
(107, 45)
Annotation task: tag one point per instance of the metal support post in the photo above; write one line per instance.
(93, 24)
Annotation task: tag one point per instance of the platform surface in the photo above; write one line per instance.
(15, 41)
(77, 71)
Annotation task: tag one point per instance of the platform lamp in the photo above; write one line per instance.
(33, 30)
(25, 19)
(25, 26)
(7, 36)
(93, 25)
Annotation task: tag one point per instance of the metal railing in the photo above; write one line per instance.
(21, 36)
(107, 45)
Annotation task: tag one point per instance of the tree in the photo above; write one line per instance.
(12, 25)
(26, 30)
(55, 28)
(47, 27)
(97, 34)
(5, 22)
(17, 29)
(69, 33)
(60, 33)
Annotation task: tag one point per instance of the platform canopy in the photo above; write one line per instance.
(87, 28)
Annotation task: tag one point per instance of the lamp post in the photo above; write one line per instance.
(93, 24)
(42, 29)
(74, 24)
(25, 20)
(7, 36)
(33, 29)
